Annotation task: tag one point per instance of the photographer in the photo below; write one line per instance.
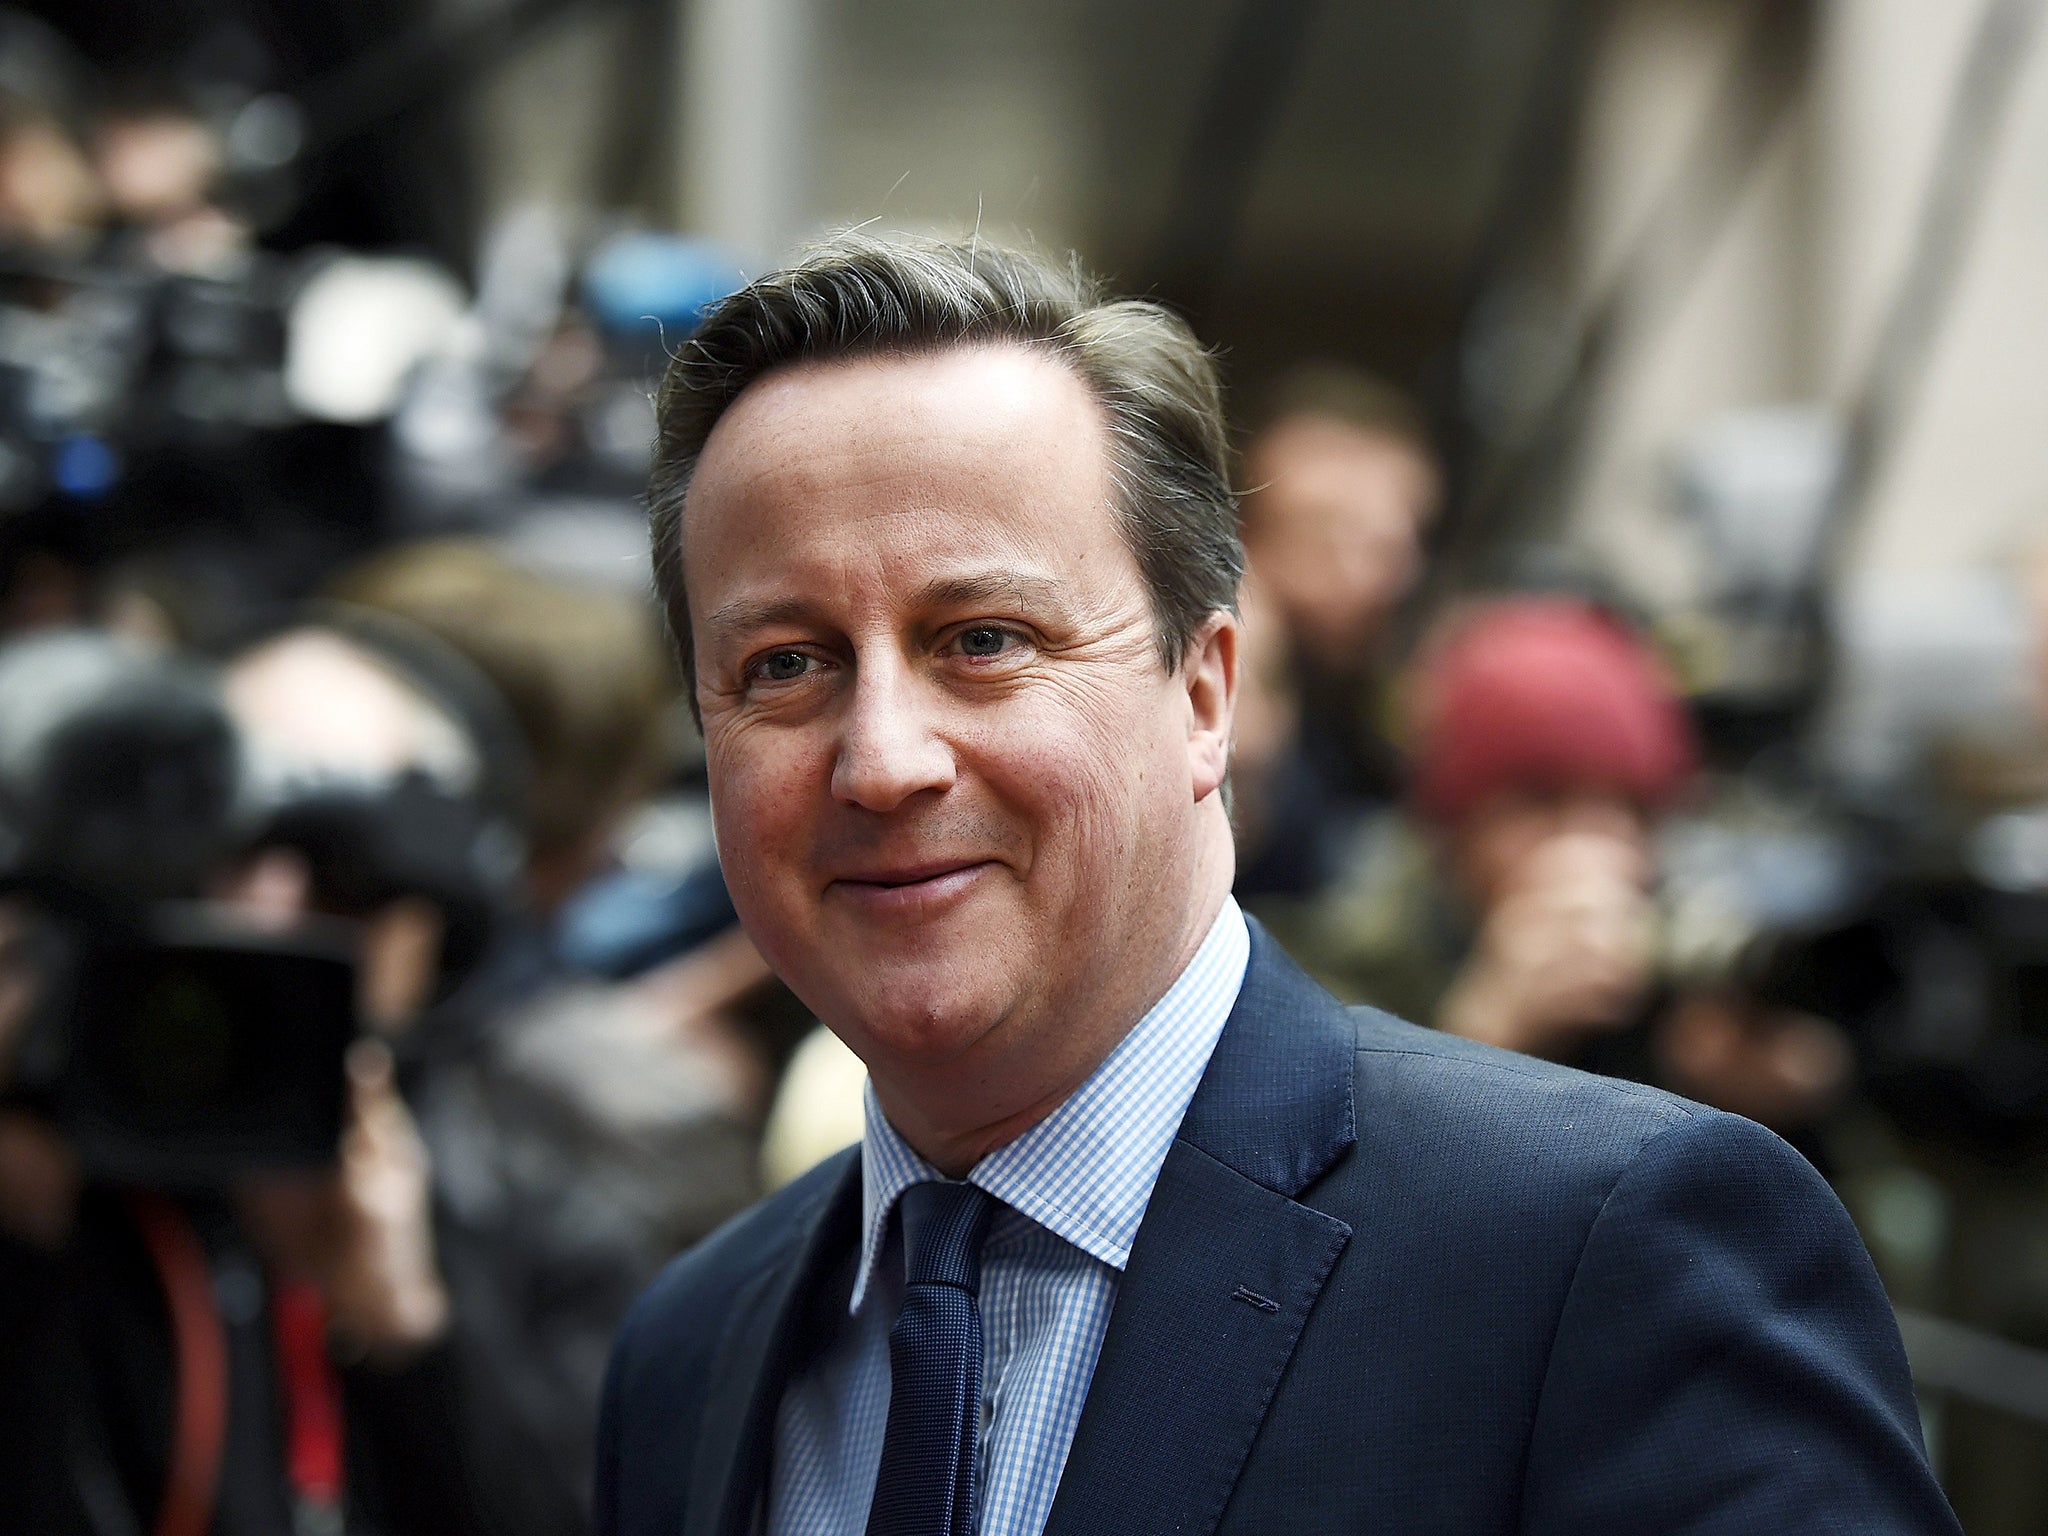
(1517, 901)
(202, 1331)
(1343, 484)
(578, 1132)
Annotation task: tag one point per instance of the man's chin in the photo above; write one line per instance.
(918, 1031)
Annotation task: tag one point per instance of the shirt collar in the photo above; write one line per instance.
(1086, 1171)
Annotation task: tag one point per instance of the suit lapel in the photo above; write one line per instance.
(1225, 1269)
(776, 1324)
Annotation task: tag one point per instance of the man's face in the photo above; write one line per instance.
(1336, 535)
(1509, 842)
(955, 789)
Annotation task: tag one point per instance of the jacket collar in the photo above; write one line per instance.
(1226, 1270)
(1087, 1170)
(1273, 1112)
(1276, 1104)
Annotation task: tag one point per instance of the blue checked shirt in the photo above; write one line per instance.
(1073, 1189)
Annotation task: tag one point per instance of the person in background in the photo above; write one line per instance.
(591, 693)
(160, 162)
(1514, 900)
(1341, 485)
(574, 1134)
(341, 1388)
(1548, 741)
(580, 670)
(231, 1353)
(1508, 898)
(50, 201)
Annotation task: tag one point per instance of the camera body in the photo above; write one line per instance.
(177, 1043)
(185, 1049)
(1939, 972)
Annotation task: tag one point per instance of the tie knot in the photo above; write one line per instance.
(943, 1225)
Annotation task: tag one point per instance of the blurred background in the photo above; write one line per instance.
(1640, 415)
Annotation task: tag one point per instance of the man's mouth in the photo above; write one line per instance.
(910, 888)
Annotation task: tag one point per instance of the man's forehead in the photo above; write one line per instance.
(974, 471)
(954, 398)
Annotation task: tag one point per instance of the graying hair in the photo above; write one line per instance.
(861, 295)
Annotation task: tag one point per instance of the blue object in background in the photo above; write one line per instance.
(84, 467)
(644, 280)
(627, 922)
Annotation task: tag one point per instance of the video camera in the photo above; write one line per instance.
(177, 1041)
(103, 367)
(1940, 975)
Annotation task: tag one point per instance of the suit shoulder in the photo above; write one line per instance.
(1514, 1111)
(1495, 1163)
(1381, 1035)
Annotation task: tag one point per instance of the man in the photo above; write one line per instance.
(1146, 1233)
(1342, 487)
(265, 1349)
(1514, 898)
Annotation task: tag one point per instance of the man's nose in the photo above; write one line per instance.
(890, 748)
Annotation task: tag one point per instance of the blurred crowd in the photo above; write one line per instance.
(373, 1021)
(1505, 813)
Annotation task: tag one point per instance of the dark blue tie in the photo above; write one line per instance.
(926, 1486)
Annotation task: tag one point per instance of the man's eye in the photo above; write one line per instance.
(782, 666)
(985, 640)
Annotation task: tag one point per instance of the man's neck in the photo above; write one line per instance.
(956, 1116)
(953, 1151)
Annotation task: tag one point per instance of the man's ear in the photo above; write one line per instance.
(1209, 669)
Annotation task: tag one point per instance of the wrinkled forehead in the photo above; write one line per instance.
(960, 406)
(969, 457)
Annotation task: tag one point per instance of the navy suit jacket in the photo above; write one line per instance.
(1389, 1281)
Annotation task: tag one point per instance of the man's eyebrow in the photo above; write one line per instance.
(747, 613)
(1022, 588)
(1040, 593)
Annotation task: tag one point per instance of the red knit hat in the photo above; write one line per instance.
(1545, 694)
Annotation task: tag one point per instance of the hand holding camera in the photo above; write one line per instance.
(1566, 953)
(361, 1233)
